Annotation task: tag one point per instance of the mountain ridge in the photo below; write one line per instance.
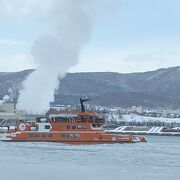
(154, 89)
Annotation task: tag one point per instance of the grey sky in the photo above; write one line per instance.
(128, 35)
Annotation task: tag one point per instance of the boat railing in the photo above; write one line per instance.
(3, 123)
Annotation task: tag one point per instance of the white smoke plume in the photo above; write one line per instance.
(5, 99)
(55, 53)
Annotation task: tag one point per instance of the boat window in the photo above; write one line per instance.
(79, 127)
(96, 125)
(77, 135)
(73, 127)
(43, 135)
(37, 135)
(63, 135)
(30, 135)
(49, 135)
(47, 127)
(70, 135)
(68, 127)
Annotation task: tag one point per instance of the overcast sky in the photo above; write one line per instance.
(128, 35)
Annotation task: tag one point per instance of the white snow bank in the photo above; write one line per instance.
(138, 118)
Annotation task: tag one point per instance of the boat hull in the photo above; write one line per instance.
(71, 137)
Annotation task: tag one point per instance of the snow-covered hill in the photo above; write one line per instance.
(160, 88)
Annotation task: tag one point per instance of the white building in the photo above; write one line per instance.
(7, 112)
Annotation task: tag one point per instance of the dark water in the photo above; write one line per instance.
(159, 159)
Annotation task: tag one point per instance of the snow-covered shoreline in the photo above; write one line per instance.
(138, 118)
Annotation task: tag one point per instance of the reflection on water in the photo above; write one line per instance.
(157, 159)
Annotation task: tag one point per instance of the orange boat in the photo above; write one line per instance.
(81, 128)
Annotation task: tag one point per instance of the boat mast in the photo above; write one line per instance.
(82, 100)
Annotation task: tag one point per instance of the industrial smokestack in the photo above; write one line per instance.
(55, 53)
